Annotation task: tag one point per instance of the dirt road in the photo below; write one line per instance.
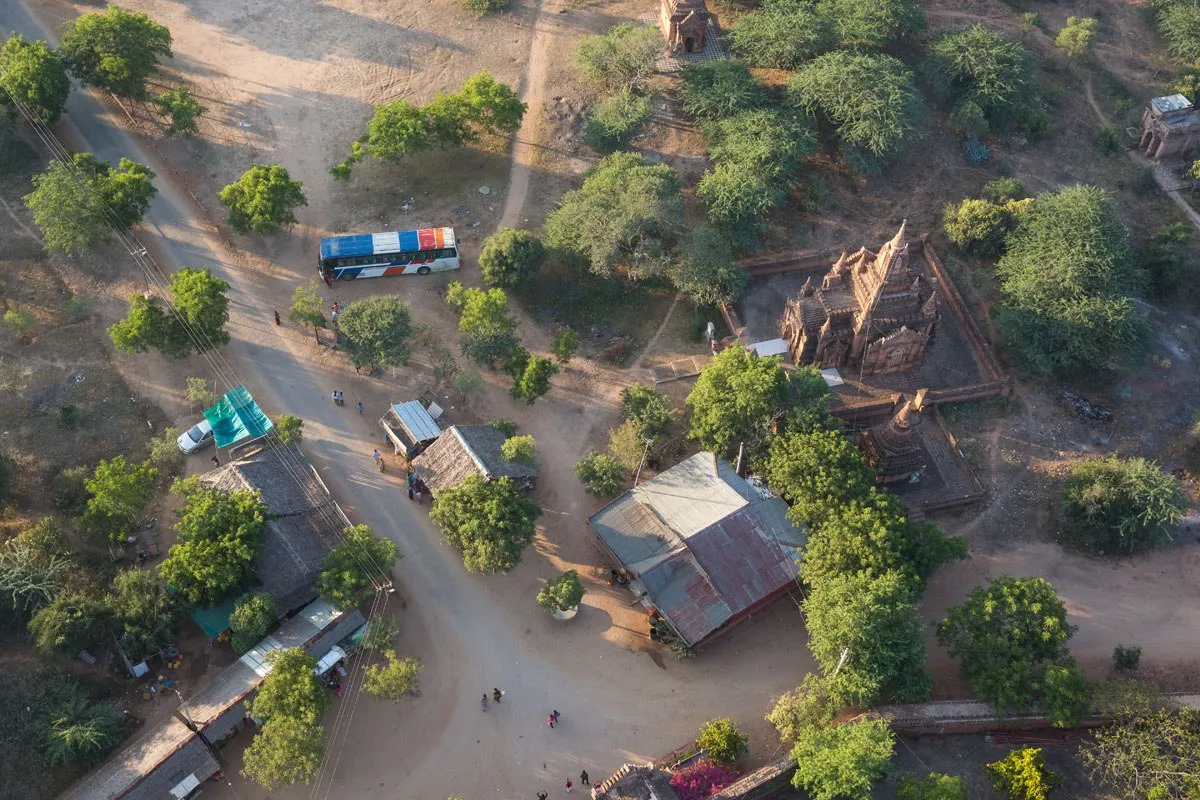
(618, 701)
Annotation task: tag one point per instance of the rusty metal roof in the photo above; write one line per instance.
(706, 543)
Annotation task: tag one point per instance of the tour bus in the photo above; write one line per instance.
(370, 255)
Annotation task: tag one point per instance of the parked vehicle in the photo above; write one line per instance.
(196, 438)
(371, 255)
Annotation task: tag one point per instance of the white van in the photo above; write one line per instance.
(198, 437)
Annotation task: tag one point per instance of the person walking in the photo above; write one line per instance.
(569, 785)
(382, 465)
(555, 714)
(278, 321)
(216, 461)
(496, 695)
(360, 408)
(328, 280)
(334, 315)
(550, 720)
(420, 502)
(542, 796)
(483, 701)
(583, 779)
(375, 455)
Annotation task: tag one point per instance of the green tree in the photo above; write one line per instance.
(772, 140)
(1077, 38)
(292, 688)
(622, 57)
(600, 474)
(76, 204)
(714, 90)
(118, 491)
(286, 751)
(74, 620)
(564, 345)
(1065, 696)
(979, 227)
(396, 130)
(866, 633)
(648, 408)
(21, 320)
(164, 450)
(197, 392)
(80, 733)
(33, 76)
(843, 761)
(68, 489)
(142, 611)
(219, 535)
(519, 448)
(867, 24)
(490, 522)
(621, 217)
(395, 680)
(977, 65)
(1153, 754)
(307, 306)
(1170, 260)
(1002, 634)
(182, 109)
(115, 50)
(931, 787)
(34, 567)
(782, 34)
(561, 593)
(722, 742)
(872, 100)
(379, 635)
(628, 446)
(818, 472)
(353, 568)
(735, 399)
(807, 707)
(511, 257)
(252, 617)
(1023, 775)
(491, 106)
(467, 381)
(481, 311)
(614, 120)
(289, 429)
(1066, 283)
(484, 7)
(706, 271)
(737, 195)
(1113, 505)
(1179, 24)
(196, 322)
(377, 331)
(491, 348)
(263, 200)
(532, 380)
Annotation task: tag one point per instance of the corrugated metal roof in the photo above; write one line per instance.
(1171, 102)
(417, 421)
(706, 543)
(166, 744)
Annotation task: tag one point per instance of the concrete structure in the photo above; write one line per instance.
(893, 448)
(409, 427)
(465, 450)
(704, 546)
(171, 759)
(1170, 127)
(872, 313)
(684, 24)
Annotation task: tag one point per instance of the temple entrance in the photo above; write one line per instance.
(689, 45)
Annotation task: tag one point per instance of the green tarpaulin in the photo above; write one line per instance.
(236, 417)
(214, 619)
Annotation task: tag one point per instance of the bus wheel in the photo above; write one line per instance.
(422, 270)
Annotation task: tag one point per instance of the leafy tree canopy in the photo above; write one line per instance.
(561, 593)
(181, 110)
(292, 688)
(32, 74)
(843, 761)
(613, 120)
(979, 65)
(1077, 38)
(116, 50)
(565, 345)
(252, 617)
(980, 227)
(817, 471)
(75, 204)
(1065, 694)
(219, 535)
(622, 57)
(286, 751)
(621, 216)
(74, 620)
(1179, 24)
(722, 742)
(196, 322)
(396, 679)
(1113, 505)
(933, 786)
(714, 90)
(34, 567)
(80, 732)
(859, 23)
(808, 706)
(1066, 281)
(782, 34)
(1154, 753)
(738, 197)
(289, 429)
(648, 408)
(735, 399)
(118, 491)
(377, 331)
(490, 522)
(601, 474)
(510, 257)
(351, 570)
(481, 311)
(143, 612)
(1023, 775)
(1002, 634)
(867, 635)
(771, 139)
(262, 200)
(307, 306)
(531, 378)
(519, 448)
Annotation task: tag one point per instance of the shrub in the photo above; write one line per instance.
(1077, 37)
(510, 257)
(562, 593)
(932, 787)
(615, 119)
(701, 780)
(977, 152)
(519, 448)
(1125, 659)
(164, 449)
(975, 65)
(21, 320)
(601, 475)
(722, 742)
(181, 109)
(976, 227)
(968, 121)
(395, 680)
(505, 426)
(624, 56)
(1023, 775)
(1107, 139)
(252, 617)
(860, 24)
(564, 345)
(289, 429)
(1002, 190)
(68, 490)
(715, 90)
(782, 34)
(1065, 695)
(1110, 505)
(843, 760)
(807, 706)
(1179, 24)
(648, 408)
(482, 7)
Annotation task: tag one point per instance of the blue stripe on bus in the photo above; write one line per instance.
(409, 241)
(358, 245)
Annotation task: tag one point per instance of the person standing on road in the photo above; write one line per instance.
(375, 455)
(549, 719)
(483, 701)
(278, 321)
(583, 779)
(216, 461)
(555, 714)
(569, 785)
(496, 695)
(360, 408)
(542, 796)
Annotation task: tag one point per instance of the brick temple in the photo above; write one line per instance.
(872, 312)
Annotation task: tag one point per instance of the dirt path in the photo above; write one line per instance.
(533, 83)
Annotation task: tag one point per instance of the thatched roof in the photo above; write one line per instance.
(303, 523)
(465, 450)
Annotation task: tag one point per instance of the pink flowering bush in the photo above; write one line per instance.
(701, 780)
